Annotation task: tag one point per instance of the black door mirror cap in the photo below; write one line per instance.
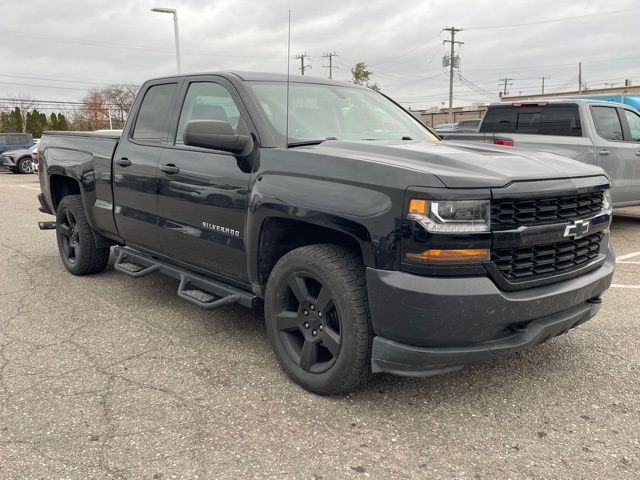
(216, 135)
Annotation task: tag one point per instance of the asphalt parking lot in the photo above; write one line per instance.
(110, 377)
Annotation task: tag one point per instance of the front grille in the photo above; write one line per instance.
(539, 261)
(507, 214)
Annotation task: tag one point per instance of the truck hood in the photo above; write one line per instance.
(462, 165)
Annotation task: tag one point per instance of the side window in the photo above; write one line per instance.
(633, 119)
(607, 123)
(151, 121)
(209, 101)
(17, 139)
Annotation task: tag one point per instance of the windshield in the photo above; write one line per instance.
(319, 112)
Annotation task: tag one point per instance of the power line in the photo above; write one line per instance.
(54, 79)
(43, 86)
(121, 46)
(555, 20)
(55, 102)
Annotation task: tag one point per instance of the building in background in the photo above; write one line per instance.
(436, 115)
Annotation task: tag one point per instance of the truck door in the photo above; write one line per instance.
(135, 166)
(613, 153)
(632, 135)
(202, 193)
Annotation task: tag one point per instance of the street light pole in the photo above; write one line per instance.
(175, 30)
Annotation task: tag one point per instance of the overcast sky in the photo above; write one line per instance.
(56, 50)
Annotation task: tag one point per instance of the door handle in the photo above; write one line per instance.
(604, 152)
(123, 162)
(638, 153)
(169, 168)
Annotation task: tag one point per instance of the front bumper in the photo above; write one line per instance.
(6, 162)
(429, 325)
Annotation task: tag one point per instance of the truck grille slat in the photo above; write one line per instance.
(509, 214)
(546, 260)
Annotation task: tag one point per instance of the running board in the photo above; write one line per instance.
(197, 289)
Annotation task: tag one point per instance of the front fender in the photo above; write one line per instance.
(364, 214)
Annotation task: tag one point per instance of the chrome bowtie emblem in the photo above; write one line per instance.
(578, 229)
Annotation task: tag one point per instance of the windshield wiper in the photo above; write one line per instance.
(305, 143)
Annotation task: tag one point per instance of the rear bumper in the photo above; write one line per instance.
(427, 325)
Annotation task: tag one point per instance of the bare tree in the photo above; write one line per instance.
(120, 97)
(24, 104)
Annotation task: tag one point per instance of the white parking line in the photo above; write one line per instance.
(635, 263)
(30, 187)
(628, 255)
(618, 285)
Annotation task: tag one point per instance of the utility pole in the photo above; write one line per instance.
(330, 66)
(452, 62)
(505, 82)
(579, 77)
(303, 67)
(543, 79)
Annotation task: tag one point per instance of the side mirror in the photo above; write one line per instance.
(216, 135)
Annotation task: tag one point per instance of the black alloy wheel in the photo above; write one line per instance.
(82, 250)
(69, 236)
(308, 322)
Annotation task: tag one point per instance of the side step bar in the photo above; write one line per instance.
(197, 289)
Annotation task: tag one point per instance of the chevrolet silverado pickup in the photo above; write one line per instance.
(371, 245)
(596, 132)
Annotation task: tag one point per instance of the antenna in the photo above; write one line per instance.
(288, 63)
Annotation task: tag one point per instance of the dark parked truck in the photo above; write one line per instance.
(372, 245)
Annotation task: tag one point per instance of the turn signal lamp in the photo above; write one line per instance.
(453, 255)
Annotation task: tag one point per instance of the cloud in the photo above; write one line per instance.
(104, 41)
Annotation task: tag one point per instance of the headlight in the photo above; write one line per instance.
(451, 216)
(607, 204)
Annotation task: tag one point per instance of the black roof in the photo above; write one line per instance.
(267, 77)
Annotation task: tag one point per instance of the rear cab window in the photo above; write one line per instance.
(151, 123)
(536, 119)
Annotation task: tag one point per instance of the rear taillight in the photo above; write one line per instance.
(506, 142)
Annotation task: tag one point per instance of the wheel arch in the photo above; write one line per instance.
(279, 235)
(61, 186)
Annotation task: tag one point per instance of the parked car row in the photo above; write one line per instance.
(18, 152)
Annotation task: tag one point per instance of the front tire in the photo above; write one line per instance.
(317, 318)
(24, 165)
(76, 240)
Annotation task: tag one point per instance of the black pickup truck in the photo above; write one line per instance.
(372, 245)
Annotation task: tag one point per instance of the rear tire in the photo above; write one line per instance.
(317, 318)
(76, 240)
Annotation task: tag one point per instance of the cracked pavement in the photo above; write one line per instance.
(109, 377)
